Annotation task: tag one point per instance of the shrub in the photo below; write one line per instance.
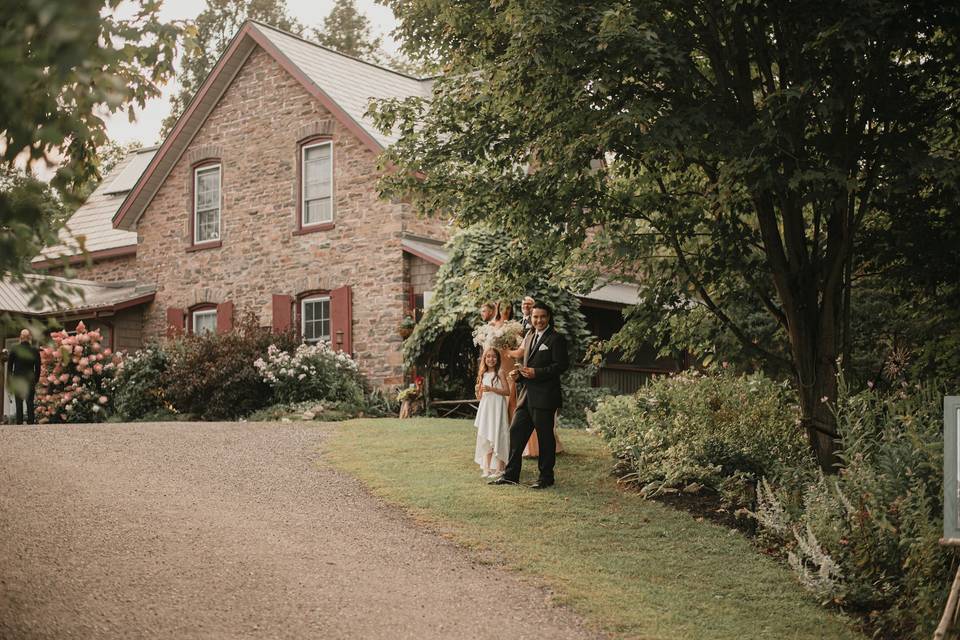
(579, 397)
(213, 376)
(311, 373)
(75, 378)
(720, 431)
(137, 387)
(866, 539)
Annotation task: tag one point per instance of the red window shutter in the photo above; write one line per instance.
(341, 320)
(225, 317)
(174, 322)
(282, 313)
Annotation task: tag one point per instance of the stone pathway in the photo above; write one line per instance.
(226, 530)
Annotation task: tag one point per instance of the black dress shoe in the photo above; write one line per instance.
(542, 484)
(501, 480)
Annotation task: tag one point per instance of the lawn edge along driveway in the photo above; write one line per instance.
(630, 566)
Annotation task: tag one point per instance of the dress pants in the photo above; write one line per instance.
(525, 420)
(28, 400)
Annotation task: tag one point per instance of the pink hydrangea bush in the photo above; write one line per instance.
(75, 375)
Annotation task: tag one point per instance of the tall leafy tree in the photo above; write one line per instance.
(347, 30)
(210, 34)
(719, 152)
(66, 63)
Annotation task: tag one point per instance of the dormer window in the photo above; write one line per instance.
(316, 190)
(206, 204)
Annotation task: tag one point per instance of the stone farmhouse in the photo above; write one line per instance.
(263, 200)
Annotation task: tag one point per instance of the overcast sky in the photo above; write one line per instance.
(309, 12)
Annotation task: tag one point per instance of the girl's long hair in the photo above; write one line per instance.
(482, 369)
(505, 309)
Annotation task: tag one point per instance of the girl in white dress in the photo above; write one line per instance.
(493, 430)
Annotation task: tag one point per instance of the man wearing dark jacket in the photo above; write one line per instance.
(23, 374)
(538, 397)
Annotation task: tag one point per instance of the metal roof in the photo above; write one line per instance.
(92, 222)
(79, 295)
(349, 82)
(342, 84)
(430, 250)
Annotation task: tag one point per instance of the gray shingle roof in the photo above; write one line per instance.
(93, 220)
(349, 82)
(84, 295)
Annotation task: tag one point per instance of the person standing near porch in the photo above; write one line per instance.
(23, 374)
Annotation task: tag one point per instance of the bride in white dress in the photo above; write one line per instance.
(493, 428)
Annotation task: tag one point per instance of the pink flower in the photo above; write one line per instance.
(52, 378)
(76, 379)
(67, 397)
(84, 362)
(81, 328)
(102, 399)
(87, 372)
(95, 347)
(98, 368)
(83, 338)
(78, 350)
(63, 377)
(107, 351)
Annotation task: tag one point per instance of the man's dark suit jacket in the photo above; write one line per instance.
(24, 362)
(549, 360)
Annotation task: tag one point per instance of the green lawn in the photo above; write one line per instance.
(630, 566)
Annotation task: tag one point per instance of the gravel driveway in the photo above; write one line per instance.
(226, 530)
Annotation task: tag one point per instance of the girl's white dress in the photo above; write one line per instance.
(493, 429)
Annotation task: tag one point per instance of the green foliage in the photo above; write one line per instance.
(65, 64)
(486, 264)
(305, 411)
(725, 155)
(347, 30)
(137, 388)
(208, 38)
(580, 397)
(311, 373)
(867, 539)
(704, 429)
(213, 376)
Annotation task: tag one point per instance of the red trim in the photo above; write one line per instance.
(216, 244)
(282, 312)
(323, 226)
(207, 244)
(107, 308)
(250, 30)
(423, 256)
(92, 256)
(326, 226)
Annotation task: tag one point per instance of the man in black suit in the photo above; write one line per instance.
(538, 397)
(23, 374)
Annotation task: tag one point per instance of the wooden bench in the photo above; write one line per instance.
(447, 408)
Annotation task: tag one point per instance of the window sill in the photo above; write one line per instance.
(326, 226)
(216, 244)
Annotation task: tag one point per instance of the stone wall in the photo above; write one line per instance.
(109, 270)
(255, 131)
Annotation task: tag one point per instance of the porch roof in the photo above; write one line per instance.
(81, 296)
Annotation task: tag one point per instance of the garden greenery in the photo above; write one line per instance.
(75, 377)
(865, 540)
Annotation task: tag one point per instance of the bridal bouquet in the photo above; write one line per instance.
(506, 336)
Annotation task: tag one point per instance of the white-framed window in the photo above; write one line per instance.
(204, 321)
(316, 196)
(206, 204)
(315, 319)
